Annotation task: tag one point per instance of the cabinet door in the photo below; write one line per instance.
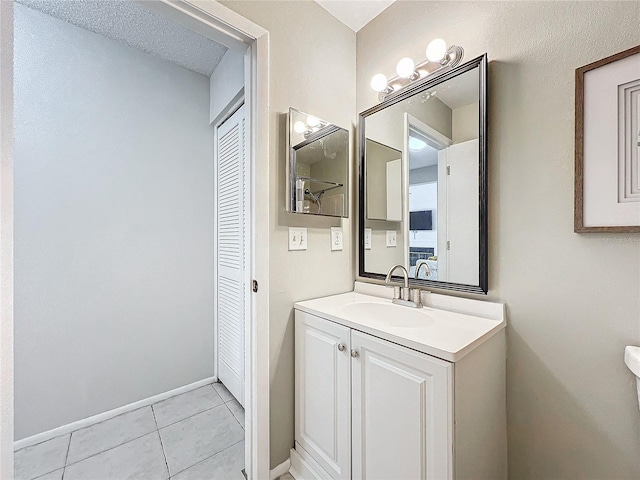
(401, 412)
(323, 400)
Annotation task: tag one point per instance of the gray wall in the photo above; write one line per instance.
(226, 84)
(113, 225)
(312, 68)
(573, 300)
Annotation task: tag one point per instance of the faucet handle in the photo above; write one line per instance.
(415, 296)
(405, 293)
(397, 291)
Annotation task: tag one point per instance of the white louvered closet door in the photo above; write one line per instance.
(231, 242)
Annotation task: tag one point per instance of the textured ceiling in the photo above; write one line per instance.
(355, 14)
(134, 25)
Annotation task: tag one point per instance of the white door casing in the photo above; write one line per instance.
(442, 233)
(231, 245)
(402, 404)
(323, 384)
(440, 142)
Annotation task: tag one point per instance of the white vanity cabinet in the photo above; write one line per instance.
(370, 408)
(323, 393)
(400, 411)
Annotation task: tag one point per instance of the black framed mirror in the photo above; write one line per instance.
(423, 182)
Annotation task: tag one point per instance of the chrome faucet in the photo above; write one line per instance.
(417, 272)
(404, 295)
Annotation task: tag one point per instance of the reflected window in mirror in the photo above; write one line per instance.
(423, 174)
(317, 167)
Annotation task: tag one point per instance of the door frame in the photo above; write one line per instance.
(234, 31)
(436, 140)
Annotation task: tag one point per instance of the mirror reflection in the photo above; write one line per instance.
(422, 173)
(318, 166)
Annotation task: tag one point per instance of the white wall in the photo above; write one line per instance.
(113, 225)
(226, 84)
(573, 300)
(312, 68)
(464, 122)
(387, 126)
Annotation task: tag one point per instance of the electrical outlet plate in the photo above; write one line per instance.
(391, 238)
(336, 238)
(367, 239)
(297, 238)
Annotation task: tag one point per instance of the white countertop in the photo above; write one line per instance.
(444, 334)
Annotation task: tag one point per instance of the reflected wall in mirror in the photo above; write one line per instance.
(318, 166)
(423, 174)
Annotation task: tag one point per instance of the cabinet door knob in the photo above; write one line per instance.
(354, 353)
(341, 347)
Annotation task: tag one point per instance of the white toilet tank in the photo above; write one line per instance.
(632, 359)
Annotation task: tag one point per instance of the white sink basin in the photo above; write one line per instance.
(389, 314)
(442, 333)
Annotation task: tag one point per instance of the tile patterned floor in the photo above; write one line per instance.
(198, 435)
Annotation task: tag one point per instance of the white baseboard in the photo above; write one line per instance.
(280, 470)
(101, 417)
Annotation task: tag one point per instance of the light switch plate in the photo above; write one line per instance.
(297, 238)
(336, 238)
(391, 238)
(367, 239)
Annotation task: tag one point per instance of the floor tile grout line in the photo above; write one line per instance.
(55, 469)
(110, 448)
(192, 415)
(234, 415)
(214, 389)
(164, 454)
(205, 459)
(66, 458)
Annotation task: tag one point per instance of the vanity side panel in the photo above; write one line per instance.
(480, 431)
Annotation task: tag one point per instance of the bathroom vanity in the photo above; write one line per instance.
(391, 392)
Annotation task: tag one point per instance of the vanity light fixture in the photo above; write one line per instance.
(408, 72)
(379, 84)
(406, 68)
(312, 125)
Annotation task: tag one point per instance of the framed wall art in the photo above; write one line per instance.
(607, 148)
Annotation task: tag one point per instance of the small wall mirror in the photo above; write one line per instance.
(423, 182)
(318, 166)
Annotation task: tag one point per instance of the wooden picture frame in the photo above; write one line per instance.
(607, 130)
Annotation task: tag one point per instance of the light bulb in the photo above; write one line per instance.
(313, 121)
(299, 127)
(416, 143)
(379, 82)
(405, 67)
(436, 50)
